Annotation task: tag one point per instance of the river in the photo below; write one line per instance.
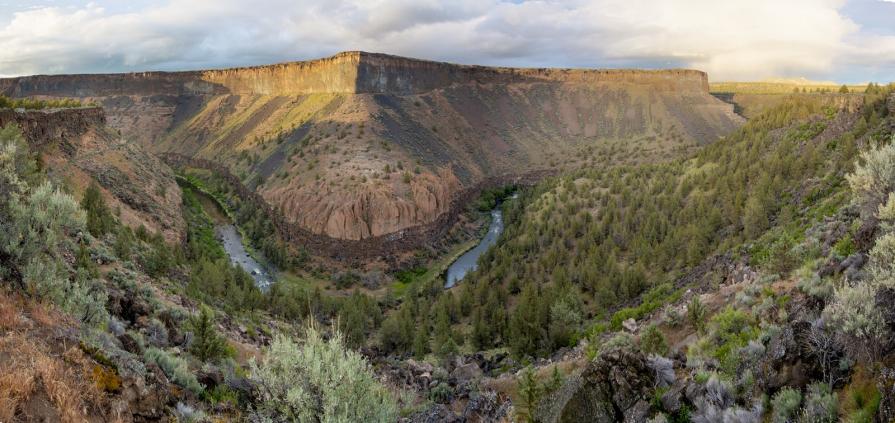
(232, 242)
(468, 261)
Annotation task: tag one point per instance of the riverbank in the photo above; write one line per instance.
(468, 261)
(435, 270)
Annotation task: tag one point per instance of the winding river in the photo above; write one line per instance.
(468, 261)
(232, 242)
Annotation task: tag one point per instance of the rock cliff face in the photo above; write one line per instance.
(76, 146)
(360, 145)
(353, 72)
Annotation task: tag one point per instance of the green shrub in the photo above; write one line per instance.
(175, 368)
(207, 344)
(696, 314)
(36, 104)
(845, 246)
(441, 393)
(651, 301)
(785, 405)
(732, 330)
(652, 341)
(319, 381)
(821, 405)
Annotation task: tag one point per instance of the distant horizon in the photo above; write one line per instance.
(797, 80)
(849, 41)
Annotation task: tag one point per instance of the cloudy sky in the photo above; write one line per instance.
(839, 40)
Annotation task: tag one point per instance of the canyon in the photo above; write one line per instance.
(364, 146)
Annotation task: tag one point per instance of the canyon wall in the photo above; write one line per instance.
(363, 146)
(347, 73)
(48, 127)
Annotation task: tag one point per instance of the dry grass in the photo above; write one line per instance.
(18, 379)
(44, 316)
(9, 313)
(32, 366)
(16, 385)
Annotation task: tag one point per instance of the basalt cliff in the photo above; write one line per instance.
(362, 145)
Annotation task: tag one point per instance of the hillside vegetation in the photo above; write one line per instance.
(102, 321)
(37, 104)
(579, 247)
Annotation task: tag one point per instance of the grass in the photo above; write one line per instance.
(860, 399)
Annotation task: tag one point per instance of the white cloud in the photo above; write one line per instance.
(731, 39)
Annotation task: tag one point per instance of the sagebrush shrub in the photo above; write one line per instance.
(821, 405)
(317, 380)
(785, 405)
(175, 368)
(854, 316)
(873, 178)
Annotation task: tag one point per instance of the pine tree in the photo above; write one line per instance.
(555, 381)
(99, 218)
(207, 343)
(84, 262)
(443, 335)
(421, 339)
(480, 333)
(124, 242)
(529, 393)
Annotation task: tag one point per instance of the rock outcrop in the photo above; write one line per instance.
(614, 388)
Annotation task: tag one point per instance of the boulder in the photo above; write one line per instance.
(210, 376)
(437, 413)
(630, 325)
(419, 367)
(671, 399)
(616, 387)
(486, 406)
(466, 373)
